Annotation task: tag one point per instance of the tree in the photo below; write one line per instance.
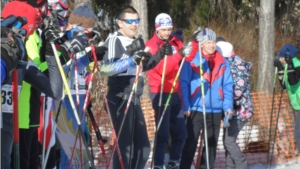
(141, 7)
(266, 45)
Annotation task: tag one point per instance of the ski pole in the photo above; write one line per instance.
(277, 114)
(116, 145)
(271, 120)
(203, 105)
(198, 162)
(170, 94)
(162, 83)
(129, 100)
(52, 134)
(71, 100)
(101, 140)
(55, 123)
(138, 67)
(16, 119)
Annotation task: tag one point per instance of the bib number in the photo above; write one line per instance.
(6, 98)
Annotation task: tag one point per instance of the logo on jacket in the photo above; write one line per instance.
(174, 50)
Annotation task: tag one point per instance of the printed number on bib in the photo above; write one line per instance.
(6, 98)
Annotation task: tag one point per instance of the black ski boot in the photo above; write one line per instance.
(173, 165)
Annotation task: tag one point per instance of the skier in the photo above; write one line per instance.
(218, 90)
(243, 106)
(289, 74)
(121, 45)
(173, 123)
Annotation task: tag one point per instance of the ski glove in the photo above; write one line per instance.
(75, 45)
(229, 112)
(166, 49)
(137, 45)
(197, 35)
(186, 50)
(289, 61)
(52, 33)
(141, 56)
(278, 64)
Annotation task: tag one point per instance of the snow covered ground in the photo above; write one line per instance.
(255, 160)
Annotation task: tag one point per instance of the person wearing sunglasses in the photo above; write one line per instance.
(123, 45)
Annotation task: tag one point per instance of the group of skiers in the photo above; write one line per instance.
(192, 86)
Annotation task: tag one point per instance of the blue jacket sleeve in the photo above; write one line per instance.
(185, 85)
(3, 71)
(227, 89)
(110, 69)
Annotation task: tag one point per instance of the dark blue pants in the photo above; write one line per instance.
(141, 144)
(7, 139)
(173, 124)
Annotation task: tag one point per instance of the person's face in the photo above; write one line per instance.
(282, 60)
(129, 24)
(164, 33)
(209, 47)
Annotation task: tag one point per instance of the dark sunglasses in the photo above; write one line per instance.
(130, 21)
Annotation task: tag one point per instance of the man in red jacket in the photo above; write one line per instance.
(173, 123)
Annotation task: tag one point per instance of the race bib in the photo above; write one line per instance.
(6, 99)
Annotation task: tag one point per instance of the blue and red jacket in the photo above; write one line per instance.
(218, 85)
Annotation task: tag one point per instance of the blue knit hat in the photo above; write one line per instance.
(83, 16)
(288, 49)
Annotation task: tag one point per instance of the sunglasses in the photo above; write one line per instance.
(130, 21)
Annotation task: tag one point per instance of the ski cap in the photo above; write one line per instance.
(225, 48)
(206, 35)
(163, 21)
(288, 49)
(83, 16)
(21, 9)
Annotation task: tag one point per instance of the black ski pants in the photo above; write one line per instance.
(194, 125)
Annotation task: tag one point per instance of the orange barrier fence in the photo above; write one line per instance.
(253, 139)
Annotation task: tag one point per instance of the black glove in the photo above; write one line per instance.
(100, 52)
(52, 33)
(141, 56)
(137, 45)
(167, 49)
(289, 61)
(278, 64)
(75, 45)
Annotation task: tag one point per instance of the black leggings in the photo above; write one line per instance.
(29, 148)
(194, 125)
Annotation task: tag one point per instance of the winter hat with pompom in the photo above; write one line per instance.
(225, 48)
(83, 16)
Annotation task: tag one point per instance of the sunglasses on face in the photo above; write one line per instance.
(130, 21)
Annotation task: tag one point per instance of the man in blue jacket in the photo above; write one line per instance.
(218, 90)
